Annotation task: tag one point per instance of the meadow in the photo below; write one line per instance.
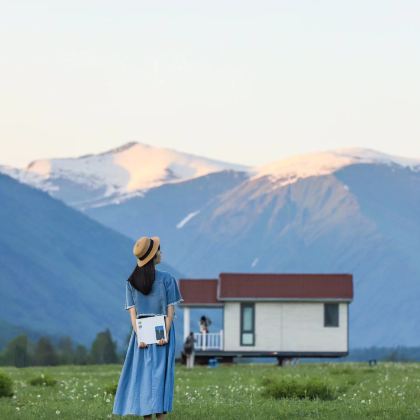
(389, 390)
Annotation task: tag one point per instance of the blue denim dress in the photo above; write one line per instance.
(146, 383)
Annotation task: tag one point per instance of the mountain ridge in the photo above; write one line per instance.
(119, 174)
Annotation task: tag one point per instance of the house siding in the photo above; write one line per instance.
(287, 326)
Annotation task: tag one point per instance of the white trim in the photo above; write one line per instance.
(246, 299)
(177, 301)
(216, 305)
(187, 323)
(128, 307)
(209, 341)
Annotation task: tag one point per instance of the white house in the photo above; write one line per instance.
(272, 315)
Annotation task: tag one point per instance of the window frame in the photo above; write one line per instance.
(244, 305)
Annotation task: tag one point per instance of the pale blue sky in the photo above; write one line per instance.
(246, 82)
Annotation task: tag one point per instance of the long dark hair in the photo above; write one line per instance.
(142, 278)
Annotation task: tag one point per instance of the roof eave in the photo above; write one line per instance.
(217, 305)
(271, 299)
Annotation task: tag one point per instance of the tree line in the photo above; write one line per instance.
(21, 352)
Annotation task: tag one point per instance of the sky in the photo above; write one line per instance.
(239, 81)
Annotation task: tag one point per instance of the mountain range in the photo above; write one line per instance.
(347, 210)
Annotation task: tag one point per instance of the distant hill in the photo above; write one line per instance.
(167, 208)
(9, 331)
(60, 271)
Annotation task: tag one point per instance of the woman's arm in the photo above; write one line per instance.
(133, 315)
(169, 318)
(168, 323)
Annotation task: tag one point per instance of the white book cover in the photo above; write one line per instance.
(151, 329)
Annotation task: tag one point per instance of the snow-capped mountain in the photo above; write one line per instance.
(346, 210)
(115, 175)
(353, 211)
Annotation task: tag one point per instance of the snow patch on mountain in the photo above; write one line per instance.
(186, 219)
(36, 180)
(131, 167)
(289, 170)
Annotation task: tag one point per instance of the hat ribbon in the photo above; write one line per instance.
(148, 250)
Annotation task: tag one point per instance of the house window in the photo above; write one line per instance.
(330, 314)
(247, 324)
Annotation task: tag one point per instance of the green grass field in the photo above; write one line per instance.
(386, 391)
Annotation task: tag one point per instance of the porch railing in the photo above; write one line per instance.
(209, 341)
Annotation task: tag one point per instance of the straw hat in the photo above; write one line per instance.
(145, 249)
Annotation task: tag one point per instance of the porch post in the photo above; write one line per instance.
(186, 321)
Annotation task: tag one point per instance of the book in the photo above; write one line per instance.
(151, 328)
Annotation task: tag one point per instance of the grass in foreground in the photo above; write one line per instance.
(324, 391)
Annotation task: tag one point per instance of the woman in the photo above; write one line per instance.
(205, 322)
(146, 384)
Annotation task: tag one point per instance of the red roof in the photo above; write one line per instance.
(199, 291)
(266, 286)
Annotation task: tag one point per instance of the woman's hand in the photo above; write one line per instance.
(162, 342)
(142, 345)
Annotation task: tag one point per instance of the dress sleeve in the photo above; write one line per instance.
(173, 295)
(129, 299)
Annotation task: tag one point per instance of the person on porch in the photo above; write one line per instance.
(205, 322)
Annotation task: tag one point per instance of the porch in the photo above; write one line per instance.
(211, 341)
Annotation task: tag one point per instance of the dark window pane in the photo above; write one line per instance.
(331, 314)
